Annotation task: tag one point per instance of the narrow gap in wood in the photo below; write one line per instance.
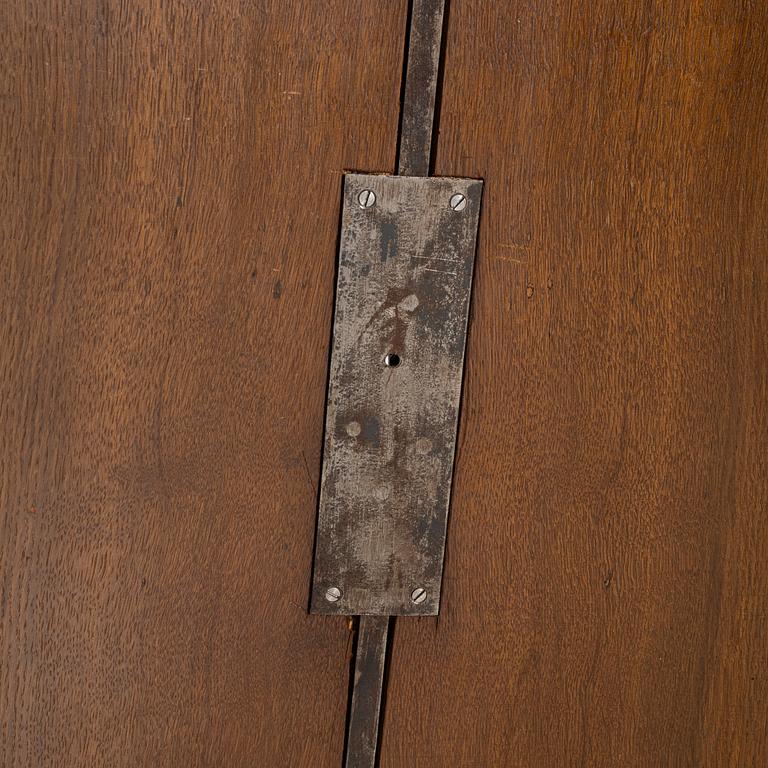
(403, 81)
(385, 688)
(417, 111)
(420, 96)
(438, 106)
(351, 684)
(363, 717)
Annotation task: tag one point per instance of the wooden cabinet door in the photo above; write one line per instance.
(171, 177)
(606, 586)
(171, 191)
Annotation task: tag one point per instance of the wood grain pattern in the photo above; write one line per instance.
(606, 584)
(170, 186)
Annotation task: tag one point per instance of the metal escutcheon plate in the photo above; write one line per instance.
(402, 300)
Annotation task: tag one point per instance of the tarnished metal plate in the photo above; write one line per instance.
(404, 280)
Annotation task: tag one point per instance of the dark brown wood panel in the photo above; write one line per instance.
(606, 585)
(171, 183)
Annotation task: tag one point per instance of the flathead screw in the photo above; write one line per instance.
(366, 198)
(458, 202)
(332, 594)
(419, 595)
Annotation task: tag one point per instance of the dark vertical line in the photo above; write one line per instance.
(415, 149)
(403, 80)
(363, 730)
(439, 88)
(385, 688)
(418, 108)
(351, 683)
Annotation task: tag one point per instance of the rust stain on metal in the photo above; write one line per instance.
(404, 281)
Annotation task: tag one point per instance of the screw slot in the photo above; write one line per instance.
(458, 202)
(392, 360)
(332, 594)
(366, 198)
(419, 595)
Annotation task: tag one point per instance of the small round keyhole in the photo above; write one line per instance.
(392, 360)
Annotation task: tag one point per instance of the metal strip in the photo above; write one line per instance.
(415, 146)
(366, 695)
(418, 112)
(405, 273)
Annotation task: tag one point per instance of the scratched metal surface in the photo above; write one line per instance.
(404, 281)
